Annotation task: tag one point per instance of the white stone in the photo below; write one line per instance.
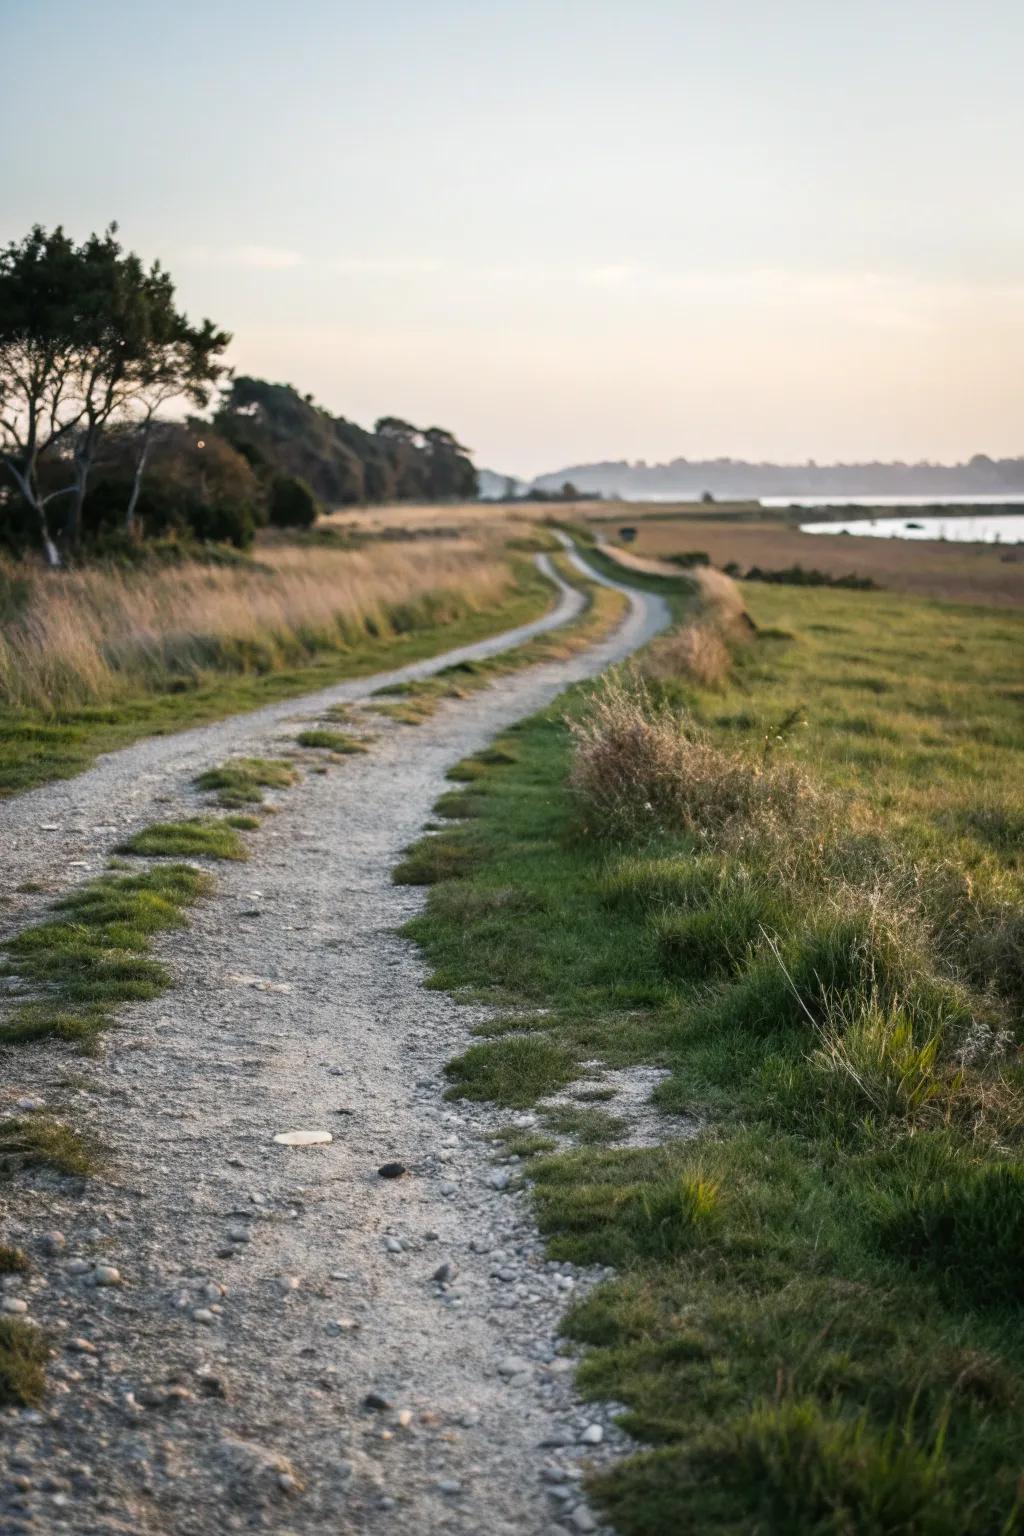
(303, 1138)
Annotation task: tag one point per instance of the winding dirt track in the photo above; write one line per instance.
(188, 1411)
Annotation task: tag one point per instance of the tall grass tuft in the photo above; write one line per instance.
(639, 768)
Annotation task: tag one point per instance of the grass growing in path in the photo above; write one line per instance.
(93, 953)
(241, 780)
(40, 1141)
(331, 741)
(202, 837)
(23, 1355)
(816, 1320)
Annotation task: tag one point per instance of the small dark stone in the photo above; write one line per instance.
(392, 1170)
(377, 1401)
(445, 1272)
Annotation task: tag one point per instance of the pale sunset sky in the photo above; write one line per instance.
(566, 229)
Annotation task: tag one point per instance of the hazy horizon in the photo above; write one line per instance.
(569, 232)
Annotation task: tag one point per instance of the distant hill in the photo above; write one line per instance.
(737, 479)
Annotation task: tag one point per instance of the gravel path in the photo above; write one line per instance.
(61, 832)
(285, 1349)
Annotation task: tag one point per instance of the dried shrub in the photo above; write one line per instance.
(639, 768)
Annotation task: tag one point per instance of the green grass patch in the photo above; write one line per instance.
(23, 1355)
(93, 953)
(241, 780)
(815, 1320)
(37, 1141)
(201, 837)
(331, 741)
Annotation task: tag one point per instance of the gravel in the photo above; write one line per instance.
(248, 1413)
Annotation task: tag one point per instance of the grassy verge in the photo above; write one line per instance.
(815, 1323)
(39, 744)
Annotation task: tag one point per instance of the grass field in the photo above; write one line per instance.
(968, 573)
(91, 660)
(796, 888)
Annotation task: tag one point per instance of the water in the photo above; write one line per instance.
(1007, 528)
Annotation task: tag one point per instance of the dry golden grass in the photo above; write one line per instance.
(639, 769)
(86, 636)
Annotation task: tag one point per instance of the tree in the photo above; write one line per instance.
(291, 503)
(87, 337)
(39, 405)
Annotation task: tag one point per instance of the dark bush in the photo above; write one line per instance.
(291, 503)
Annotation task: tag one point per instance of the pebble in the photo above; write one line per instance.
(448, 1485)
(513, 1365)
(592, 1435)
(444, 1273)
(378, 1402)
(29, 1106)
(106, 1274)
(303, 1138)
(392, 1170)
(287, 1283)
(203, 1315)
(13, 1304)
(582, 1520)
(78, 1266)
(499, 1179)
(82, 1346)
(53, 1242)
(392, 1245)
(238, 1234)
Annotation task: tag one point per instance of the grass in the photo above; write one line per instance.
(94, 659)
(331, 741)
(815, 1321)
(201, 837)
(93, 953)
(241, 780)
(38, 1141)
(13, 1261)
(23, 1355)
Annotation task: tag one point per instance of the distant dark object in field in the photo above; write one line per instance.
(691, 557)
(627, 535)
(796, 576)
(707, 498)
(917, 526)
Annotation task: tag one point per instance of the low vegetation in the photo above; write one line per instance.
(93, 953)
(324, 739)
(23, 1355)
(241, 780)
(783, 886)
(201, 837)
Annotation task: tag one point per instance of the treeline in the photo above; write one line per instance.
(93, 350)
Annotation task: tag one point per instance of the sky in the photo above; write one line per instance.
(565, 229)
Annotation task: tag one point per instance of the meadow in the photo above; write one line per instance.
(782, 865)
